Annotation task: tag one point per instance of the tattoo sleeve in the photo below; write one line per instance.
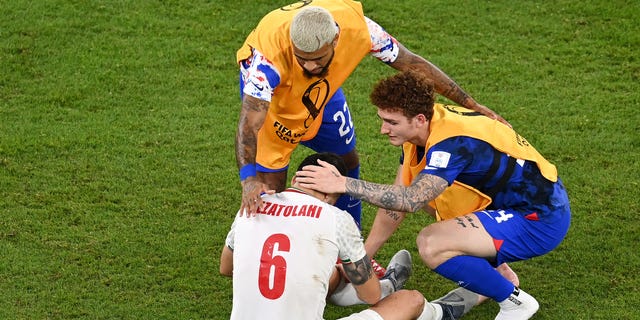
(358, 272)
(425, 188)
(251, 119)
(443, 84)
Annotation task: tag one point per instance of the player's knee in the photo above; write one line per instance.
(411, 300)
(428, 248)
(415, 299)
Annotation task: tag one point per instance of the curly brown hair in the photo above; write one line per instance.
(410, 92)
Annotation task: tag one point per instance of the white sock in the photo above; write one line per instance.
(346, 295)
(431, 311)
(386, 286)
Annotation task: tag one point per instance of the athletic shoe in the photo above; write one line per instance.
(448, 311)
(399, 269)
(518, 306)
(378, 269)
(457, 303)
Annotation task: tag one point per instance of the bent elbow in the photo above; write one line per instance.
(417, 205)
(226, 271)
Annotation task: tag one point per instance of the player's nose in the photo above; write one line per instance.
(310, 65)
(384, 129)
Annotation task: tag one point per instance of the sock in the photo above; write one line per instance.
(477, 275)
(350, 204)
(346, 295)
(430, 311)
(386, 288)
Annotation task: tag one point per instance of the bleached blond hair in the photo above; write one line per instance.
(312, 28)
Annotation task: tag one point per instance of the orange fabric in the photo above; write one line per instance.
(459, 199)
(288, 120)
(449, 121)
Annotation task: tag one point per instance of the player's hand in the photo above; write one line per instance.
(252, 190)
(508, 273)
(491, 114)
(324, 178)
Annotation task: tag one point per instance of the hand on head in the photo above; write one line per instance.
(323, 177)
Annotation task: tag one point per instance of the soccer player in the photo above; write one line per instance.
(462, 162)
(283, 260)
(292, 67)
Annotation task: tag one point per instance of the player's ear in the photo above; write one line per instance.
(421, 119)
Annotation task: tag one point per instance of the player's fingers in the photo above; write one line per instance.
(252, 207)
(304, 178)
(248, 205)
(329, 168)
(325, 164)
(258, 204)
(501, 119)
(310, 168)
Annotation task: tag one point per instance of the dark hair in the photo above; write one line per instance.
(331, 158)
(410, 92)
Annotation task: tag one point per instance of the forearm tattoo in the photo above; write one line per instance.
(443, 84)
(359, 271)
(251, 119)
(452, 91)
(400, 198)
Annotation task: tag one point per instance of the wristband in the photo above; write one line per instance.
(248, 170)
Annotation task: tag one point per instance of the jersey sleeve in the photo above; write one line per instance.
(350, 242)
(259, 76)
(447, 159)
(229, 241)
(383, 46)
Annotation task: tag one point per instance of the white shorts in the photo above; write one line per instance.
(366, 314)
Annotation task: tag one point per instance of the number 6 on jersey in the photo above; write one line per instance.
(273, 267)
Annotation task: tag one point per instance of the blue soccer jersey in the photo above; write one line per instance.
(524, 200)
(476, 163)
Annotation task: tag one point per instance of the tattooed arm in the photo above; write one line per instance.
(444, 85)
(425, 187)
(252, 117)
(326, 178)
(367, 285)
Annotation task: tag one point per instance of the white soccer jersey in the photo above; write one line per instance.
(284, 256)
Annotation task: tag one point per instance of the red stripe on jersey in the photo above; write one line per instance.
(532, 217)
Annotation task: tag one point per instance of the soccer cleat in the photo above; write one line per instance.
(378, 269)
(518, 306)
(457, 303)
(399, 269)
(448, 311)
